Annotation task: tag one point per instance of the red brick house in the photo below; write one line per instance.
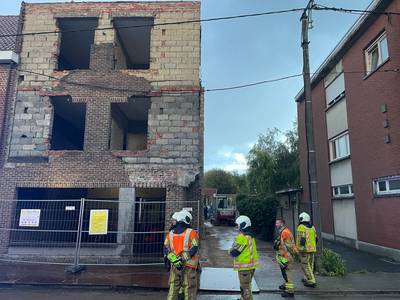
(8, 63)
(356, 113)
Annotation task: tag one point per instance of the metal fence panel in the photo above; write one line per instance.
(88, 231)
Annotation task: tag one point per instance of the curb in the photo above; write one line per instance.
(335, 292)
(155, 289)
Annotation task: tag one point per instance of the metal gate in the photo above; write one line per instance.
(88, 231)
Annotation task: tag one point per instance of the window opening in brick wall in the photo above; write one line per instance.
(59, 216)
(387, 185)
(68, 124)
(129, 124)
(339, 147)
(132, 44)
(75, 42)
(343, 191)
(377, 53)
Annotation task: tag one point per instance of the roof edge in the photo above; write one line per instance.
(336, 54)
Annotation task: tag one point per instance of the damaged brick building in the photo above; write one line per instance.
(108, 105)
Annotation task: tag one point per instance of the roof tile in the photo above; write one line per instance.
(8, 25)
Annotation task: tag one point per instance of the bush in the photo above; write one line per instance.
(332, 264)
(261, 211)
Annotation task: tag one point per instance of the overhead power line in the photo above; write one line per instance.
(189, 91)
(267, 13)
(252, 84)
(355, 11)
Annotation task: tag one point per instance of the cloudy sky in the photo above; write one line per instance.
(248, 50)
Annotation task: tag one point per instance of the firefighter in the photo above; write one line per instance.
(285, 252)
(167, 263)
(181, 248)
(306, 243)
(245, 261)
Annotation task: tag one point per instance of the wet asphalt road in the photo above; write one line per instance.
(30, 293)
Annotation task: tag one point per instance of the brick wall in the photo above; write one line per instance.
(174, 155)
(4, 74)
(175, 49)
(322, 156)
(371, 157)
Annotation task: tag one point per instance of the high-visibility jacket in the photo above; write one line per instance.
(180, 245)
(287, 245)
(248, 257)
(310, 236)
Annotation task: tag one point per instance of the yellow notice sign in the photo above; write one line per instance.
(98, 221)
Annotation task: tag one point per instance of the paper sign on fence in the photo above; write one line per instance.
(98, 221)
(29, 218)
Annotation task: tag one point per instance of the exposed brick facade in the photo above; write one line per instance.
(376, 216)
(174, 156)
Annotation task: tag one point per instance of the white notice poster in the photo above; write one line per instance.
(29, 218)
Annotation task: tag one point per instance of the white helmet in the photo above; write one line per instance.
(304, 217)
(175, 216)
(243, 222)
(187, 216)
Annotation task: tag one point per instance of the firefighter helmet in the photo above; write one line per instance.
(243, 222)
(304, 217)
(175, 216)
(187, 216)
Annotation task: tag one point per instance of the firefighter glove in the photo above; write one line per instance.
(175, 260)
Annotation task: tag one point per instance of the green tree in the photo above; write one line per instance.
(273, 162)
(273, 165)
(221, 180)
(241, 182)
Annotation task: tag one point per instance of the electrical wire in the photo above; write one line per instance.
(160, 24)
(189, 91)
(354, 11)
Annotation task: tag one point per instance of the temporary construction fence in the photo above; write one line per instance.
(87, 231)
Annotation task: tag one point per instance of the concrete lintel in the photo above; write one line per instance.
(186, 177)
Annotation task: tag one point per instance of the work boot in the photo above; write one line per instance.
(286, 294)
(311, 285)
(181, 296)
(282, 287)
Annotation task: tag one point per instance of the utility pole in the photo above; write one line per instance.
(306, 23)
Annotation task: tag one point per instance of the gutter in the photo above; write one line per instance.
(8, 57)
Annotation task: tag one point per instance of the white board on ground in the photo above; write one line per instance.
(222, 279)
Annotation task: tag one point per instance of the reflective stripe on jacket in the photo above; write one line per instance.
(309, 234)
(180, 245)
(248, 258)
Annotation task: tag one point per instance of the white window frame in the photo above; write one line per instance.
(336, 192)
(335, 78)
(335, 149)
(376, 45)
(387, 190)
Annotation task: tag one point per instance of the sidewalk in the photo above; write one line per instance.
(153, 277)
(268, 279)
